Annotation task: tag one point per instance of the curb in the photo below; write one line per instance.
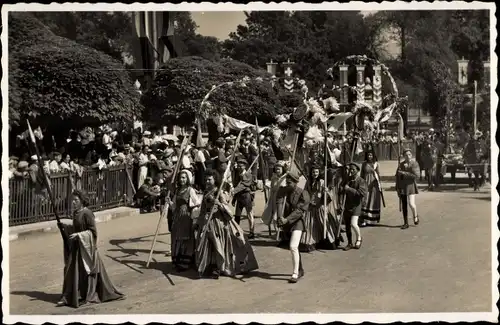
(17, 232)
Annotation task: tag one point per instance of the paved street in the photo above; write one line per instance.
(443, 265)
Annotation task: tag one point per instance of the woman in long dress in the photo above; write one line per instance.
(370, 173)
(278, 179)
(182, 215)
(313, 231)
(314, 219)
(221, 247)
(85, 277)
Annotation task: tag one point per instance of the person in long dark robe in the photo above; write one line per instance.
(85, 277)
(221, 246)
(182, 208)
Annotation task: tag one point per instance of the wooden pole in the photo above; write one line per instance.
(325, 185)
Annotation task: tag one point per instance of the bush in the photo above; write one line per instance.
(53, 79)
(178, 90)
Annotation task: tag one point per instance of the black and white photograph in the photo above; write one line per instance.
(209, 163)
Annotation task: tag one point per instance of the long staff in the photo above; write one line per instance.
(292, 161)
(399, 159)
(219, 190)
(262, 167)
(185, 142)
(325, 185)
(46, 183)
(377, 176)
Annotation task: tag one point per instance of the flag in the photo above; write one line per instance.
(199, 137)
(337, 120)
(385, 114)
(401, 127)
(155, 43)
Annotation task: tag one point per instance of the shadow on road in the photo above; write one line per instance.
(379, 225)
(147, 238)
(38, 295)
(482, 198)
(265, 243)
(264, 275)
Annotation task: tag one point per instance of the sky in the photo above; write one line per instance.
(220, 23)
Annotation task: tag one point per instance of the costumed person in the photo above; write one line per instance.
(292, 204)
(313, 217)
(244, 194)
(370, 173)
(184, 209)
(355, 191)
(406, 186)
(85, 277)
(270, 214)
(221, 246)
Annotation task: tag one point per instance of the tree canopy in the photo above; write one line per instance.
(207, 47)
(53, 79)
(313, 39)
(182, 84)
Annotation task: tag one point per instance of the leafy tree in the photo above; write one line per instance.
(103, 31)
(315, 39)
(182, 84)
(55, 80)
(207, 47)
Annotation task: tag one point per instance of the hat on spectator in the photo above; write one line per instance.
(23, 164)
(152, 157)
(126, 147)
(147, 133)
(14, 158)
(34, 157)
(113, 155)
(355, 165)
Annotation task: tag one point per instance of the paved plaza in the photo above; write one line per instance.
(443, 265)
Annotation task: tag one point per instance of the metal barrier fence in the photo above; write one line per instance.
(106, 189)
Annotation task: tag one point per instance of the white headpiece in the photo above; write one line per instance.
(189, 175)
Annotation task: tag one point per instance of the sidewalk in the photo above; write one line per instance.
(16, 232)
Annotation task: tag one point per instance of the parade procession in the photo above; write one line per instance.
(221, 173)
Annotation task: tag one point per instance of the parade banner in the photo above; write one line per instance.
(385, 114)
(360, 82)
(238, 125)
(377, 86)
(288, 81)
(337, 120)
(463, 67)
(343, 82)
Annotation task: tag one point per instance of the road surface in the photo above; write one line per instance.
(443, 265)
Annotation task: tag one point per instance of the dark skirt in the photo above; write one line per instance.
(80, 288)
